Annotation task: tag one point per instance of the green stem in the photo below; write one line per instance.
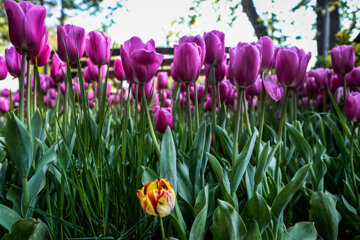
(248, 126)
(34, 106)
(203, 97)
(262, 115)
(294, 99)
(162, 228)
(57, 109)
(237, 123)
(189, 113)
(121, 97)
(100, 87)
(66, 105)
(213, 100)
(281, 126)
(352, 160)
(196, 108)
(21, 86)
(28, 93)
(25, 195)
(324, 100)
(152, 133)
(344, 86)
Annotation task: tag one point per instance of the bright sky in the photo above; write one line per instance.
(152, 19)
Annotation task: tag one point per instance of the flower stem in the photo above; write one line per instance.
(162, 228)
(28, 92)
(203, 97)
(21, 85)
(189, 113)
(152, 133)
(100, 87)
(237, 123)
(246, 116)
(196, 108)
(281, 126)
(352, 160)
(26, 195)
(262, 115)
(344, 86)
(213, 100)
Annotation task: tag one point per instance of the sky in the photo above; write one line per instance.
(153, 19)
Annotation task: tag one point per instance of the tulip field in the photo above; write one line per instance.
(245, 142)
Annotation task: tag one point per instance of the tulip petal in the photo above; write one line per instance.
(34, 30)
(16, 17)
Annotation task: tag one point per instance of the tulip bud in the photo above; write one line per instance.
(244, 65)
(57, 68)
(13, 61)
(149, 90)
(164, 118)
(187, 62)
(119, 70)
(220, 70)
(353, 78)
(267, 52)
(97, 47)
(352, 107)
(4, 105)
(223, 91)
(343, 59)
(67, 36)
(5, 92)
(26, 24)
(272, 88)
(162, 80)
(157, 198)
(198, 40)
(3, 68)
(215, 47)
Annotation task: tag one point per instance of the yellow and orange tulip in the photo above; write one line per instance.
(157, 198)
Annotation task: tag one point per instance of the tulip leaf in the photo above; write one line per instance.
(184, 183)
(19, 144)
(227, 223)
(253, 232)
(301, 230)
(8, 217)
(286, 194)
(256, 208)
(225, 141)
(301, 144)
(350, 217)
(201, 210)
(148, 175)
(197, 153)
(168, 159)
(239, 167)
(323, 212)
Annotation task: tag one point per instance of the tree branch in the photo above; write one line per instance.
(254, 18)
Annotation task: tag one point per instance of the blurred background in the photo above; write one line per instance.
(314, 25)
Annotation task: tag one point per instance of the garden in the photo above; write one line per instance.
(242, 142)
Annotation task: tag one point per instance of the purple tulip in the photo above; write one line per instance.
(244, 65)
(343, 59)
(163, 119)
(4, 105)
(5, 92)
(272, 88)
(97, 47)
(353, 78)
(26, 24)
(198, 40)
(255, 89)
(312, 85)
(187, 62)
(224, 91)
(352, 107)
(220, 70)
(149, 90)
(207, 105)
(267, 52)
(57, 68)
(335, 82)
(200, 91)
(43, 55)
(67, 36)
(339, 96)
(162, 80)
(13, 61)
(320, 75)
(119, 70)
(44, 40)
(215, 47)
(291, 64)
(173, 74)
(3, 68)
(92, 72)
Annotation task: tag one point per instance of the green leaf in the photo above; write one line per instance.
(227, 223)
(168, 159)
(148, 175)
(350, 217)
(183, 183)
(19, 144)
(201, 209)
(225, 141)
(8, 217)
(22, 229)
(36, 125)
(197, 152)
(323, 212)
(41, 232)
(301, 144)
(253, 232)
(241, 163)
(301, 230)
(256, 208)
(286, 194)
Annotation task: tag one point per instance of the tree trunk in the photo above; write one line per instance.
(254, 18)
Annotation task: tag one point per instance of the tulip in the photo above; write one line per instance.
(164, 118)
(343, 59)
(43, 56)
(3, 68)
(162, 80)
(4, 105)
(215, 47)
(26, 24)
(97, 47)
(198, 40)
(149, 90)
(224, 91)
(5, 92)
(291, 64)
(353, 78)
(44, 40)
(119, 70)
(244, 65)
(335, 82)
(272, 88)
(173, 74)
(320, 75)
(255, 89)
(71, 42)
(187, 62)
(157, 198)
(207, 105)
(220, 70)
(57, 68)
(352, 107)
(13, 61)
(93, 71)
(267, 52)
